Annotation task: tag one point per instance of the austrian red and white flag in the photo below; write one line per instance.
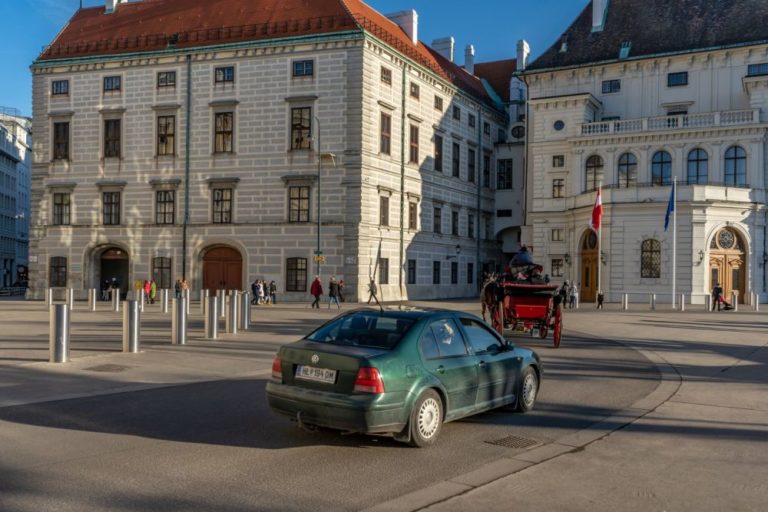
(597, 211)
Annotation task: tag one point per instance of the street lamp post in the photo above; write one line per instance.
(318, 252)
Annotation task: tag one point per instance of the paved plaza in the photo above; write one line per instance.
(638, 411)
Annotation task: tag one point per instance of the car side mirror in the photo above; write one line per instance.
(509, 345)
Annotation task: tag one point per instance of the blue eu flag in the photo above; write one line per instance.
(670, 207)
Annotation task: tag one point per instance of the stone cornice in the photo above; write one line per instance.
(716, 133)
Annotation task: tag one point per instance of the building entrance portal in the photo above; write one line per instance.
(589, 261)
(727, 264)
(222, 269)
(114, 268)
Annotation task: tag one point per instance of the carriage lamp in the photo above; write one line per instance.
(458, 252)
(603, 257)
(567, 258)
(701, 255)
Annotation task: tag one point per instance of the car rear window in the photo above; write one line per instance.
(365, 329)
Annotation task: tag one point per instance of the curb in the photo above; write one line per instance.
(443, 491)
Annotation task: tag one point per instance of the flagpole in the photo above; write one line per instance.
(674, 243)
(600, 245)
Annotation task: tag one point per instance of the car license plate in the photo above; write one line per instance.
(316, 374)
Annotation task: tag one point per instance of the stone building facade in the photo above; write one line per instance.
(15, 170)
(631, 97)
(330, 109)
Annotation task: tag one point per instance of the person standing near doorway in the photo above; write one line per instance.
(152, 291)
(717, 296)
(600, 299)
(573, 294)
(317, 291)
(177, 288)
(273, 292)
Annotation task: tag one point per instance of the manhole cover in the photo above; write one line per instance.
(515, 442)
(107, 368)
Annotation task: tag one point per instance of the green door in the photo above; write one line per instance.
(497, 367)
(447, 358)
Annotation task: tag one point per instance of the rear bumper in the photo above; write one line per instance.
(351, 413)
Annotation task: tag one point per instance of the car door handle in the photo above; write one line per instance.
(441, 369)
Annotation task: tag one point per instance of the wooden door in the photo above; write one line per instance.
(727, 264)
(222, 269)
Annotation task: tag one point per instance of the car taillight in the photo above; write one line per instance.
(277, 369)
(368, 380)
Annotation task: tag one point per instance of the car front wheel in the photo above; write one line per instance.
(426, 419)
(528, 390)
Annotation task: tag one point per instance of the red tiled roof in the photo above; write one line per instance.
(151, 25)
(498, 74)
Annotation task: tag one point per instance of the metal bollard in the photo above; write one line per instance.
(58, 335)
(245, 311)
(682, 302)
(92, 297)
(142, 299)
(577, 302)
(212, 317)
(179, 322)
(70, 298)
(186, 295)
(131, 327)
(204, 294)
(708, 302)
(49, 297)
(625, 301)
(222, 295)
(653, 301)
(734, 301)
(116, 300)
(232, 313)
(164, 293)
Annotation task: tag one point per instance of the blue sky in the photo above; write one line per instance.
(494, 29)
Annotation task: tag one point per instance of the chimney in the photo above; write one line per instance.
(110, 6)
(599, 10)
(523, 51)
(469, 59)
(444, 46)
(408, 21)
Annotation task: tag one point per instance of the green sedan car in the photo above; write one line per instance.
(400, 372)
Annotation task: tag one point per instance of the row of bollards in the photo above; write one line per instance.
(236, 310)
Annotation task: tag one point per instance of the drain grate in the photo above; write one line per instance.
(515, 442)
(107, 368)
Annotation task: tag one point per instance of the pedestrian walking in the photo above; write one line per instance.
(573, 294)
(717, 296)
(152, 291)
(333, 293)
(341, 290)
(562, 294)
(600, 299)
(260, 291)
(147, 286)
(372, 291)
(105, 290)
(255, 292)
(177, 288)
(317, 291)
(273, 292)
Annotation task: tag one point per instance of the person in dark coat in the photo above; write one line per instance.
(333, 292)
(373, 290)
(717, 296)
(317, 291)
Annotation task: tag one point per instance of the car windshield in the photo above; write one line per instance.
(364, 329)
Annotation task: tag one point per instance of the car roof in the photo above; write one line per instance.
(405, 311)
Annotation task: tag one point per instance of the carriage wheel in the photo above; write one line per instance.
(557, 332)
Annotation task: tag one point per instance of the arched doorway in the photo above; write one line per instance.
(222, 269)
(589, 261)
(728, 263)
(114, 269)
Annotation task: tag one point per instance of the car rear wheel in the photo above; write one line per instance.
(528, 390)
(426, 419)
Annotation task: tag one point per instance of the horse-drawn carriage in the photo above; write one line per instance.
(522, 301)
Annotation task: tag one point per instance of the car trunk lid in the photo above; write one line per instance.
(324, 366)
